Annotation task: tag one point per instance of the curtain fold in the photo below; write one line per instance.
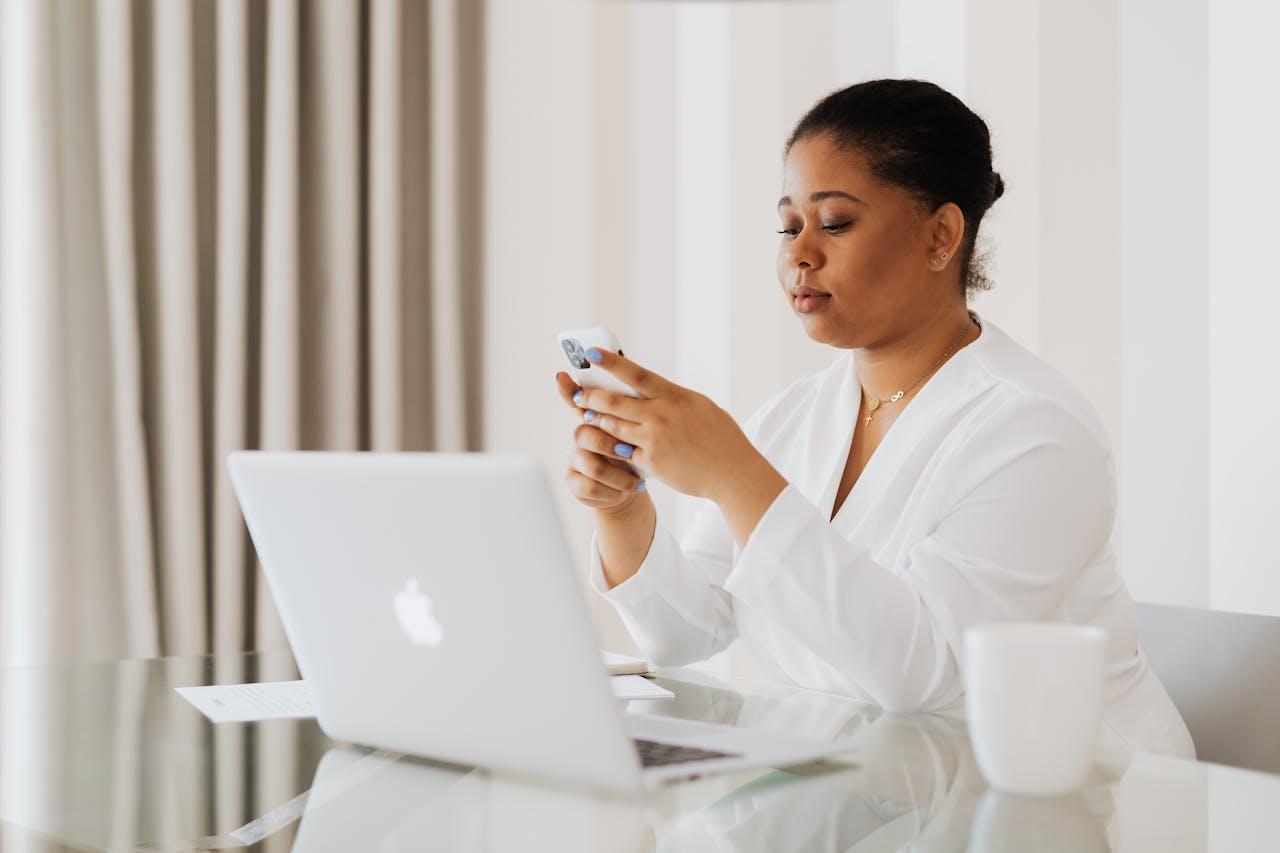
(128, 457)
(385, 176)
(231, 342)
(175, 426)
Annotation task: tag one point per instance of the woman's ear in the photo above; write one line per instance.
(946, 234)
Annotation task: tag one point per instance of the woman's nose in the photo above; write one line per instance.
(801, 251)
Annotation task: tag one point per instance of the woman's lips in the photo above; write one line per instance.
(807, 300)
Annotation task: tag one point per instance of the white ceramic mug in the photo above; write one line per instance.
(1033, 698)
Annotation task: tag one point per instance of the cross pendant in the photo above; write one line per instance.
(872, 405)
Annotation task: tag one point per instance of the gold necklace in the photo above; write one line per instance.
(873, 403)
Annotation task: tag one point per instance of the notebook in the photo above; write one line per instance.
(624, 664)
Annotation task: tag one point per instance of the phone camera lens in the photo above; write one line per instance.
(576, 356)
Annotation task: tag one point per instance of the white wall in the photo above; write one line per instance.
(1243, 302)
(634, 154)
(1164, 359)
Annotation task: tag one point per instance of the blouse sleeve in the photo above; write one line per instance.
(1031, 503)
(675, 606)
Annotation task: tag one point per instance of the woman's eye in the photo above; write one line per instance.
(832, 229)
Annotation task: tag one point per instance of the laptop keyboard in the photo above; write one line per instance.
(655, 754)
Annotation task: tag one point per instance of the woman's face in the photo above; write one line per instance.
(865, 243)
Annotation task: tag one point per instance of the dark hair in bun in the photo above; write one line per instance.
(918, 136)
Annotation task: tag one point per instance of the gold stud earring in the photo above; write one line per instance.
(936, 262)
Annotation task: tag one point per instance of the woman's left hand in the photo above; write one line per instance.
(680, 436)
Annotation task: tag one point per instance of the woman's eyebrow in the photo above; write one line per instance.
(819, 196)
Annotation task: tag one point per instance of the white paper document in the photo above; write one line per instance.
(291, 700)
(624, 664)
(635, 687)
(244, 703)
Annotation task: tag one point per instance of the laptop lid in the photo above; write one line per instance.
(416, 589)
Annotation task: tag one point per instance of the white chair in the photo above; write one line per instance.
(1222, 671)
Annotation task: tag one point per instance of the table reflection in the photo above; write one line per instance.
(362, 800)
(108, 757)
(912, 783)
(905, 782)
(1069, 824)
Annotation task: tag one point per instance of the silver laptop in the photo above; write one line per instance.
(432, 607)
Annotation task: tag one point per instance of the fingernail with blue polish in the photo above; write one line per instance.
(623, 449)
(577, 398)
(640, 486)
(593, 354)
(588, 416)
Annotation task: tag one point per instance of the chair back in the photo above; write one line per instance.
(1222, 671)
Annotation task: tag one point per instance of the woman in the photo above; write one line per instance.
(937, 475)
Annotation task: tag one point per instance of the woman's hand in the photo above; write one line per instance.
(680, 436)
(596, 476)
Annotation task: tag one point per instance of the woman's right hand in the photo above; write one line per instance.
(596, 475)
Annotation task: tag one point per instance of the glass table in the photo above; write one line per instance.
(107, 756)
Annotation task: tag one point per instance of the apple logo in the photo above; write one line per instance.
(413, 611)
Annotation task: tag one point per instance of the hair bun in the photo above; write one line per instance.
(998, 189)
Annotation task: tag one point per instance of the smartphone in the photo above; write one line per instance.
(574, 343)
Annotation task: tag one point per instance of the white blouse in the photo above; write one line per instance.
(992, 497)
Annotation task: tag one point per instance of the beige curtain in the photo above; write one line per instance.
(225, 224)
